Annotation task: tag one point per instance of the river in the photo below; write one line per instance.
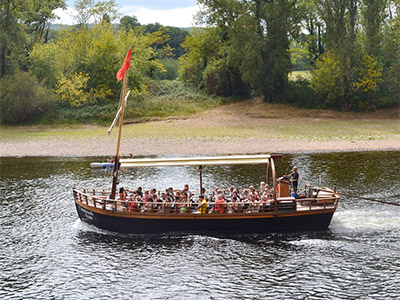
(48, 253)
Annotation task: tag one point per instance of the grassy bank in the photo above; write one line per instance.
(247, 119)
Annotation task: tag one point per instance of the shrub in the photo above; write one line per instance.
(300, 93)
(23, 98)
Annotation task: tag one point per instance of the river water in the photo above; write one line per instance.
(46, 252)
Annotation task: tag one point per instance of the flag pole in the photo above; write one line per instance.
(116, 160)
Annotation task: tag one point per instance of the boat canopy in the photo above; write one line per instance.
(196, 161)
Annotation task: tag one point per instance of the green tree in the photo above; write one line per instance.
(22, 23)
(128, 22)
(254, 41)
(369, 79)
(22, 98)
(84, 62)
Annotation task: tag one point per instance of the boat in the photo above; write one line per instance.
(279, 211)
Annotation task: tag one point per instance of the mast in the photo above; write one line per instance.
(121, 118)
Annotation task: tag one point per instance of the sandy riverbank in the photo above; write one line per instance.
(198, 146)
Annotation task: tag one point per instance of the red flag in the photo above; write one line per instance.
(125, 66)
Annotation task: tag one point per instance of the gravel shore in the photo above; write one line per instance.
(198, 146)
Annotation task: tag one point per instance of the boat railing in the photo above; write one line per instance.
(99, 199)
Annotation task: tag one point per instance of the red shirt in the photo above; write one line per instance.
(220, 205)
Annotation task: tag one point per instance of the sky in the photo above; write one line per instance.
(178, 13)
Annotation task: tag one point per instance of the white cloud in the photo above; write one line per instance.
(178, 17)
(65, 16)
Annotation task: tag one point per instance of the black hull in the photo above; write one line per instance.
(160, 224)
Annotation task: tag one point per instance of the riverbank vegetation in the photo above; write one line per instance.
(347, 52)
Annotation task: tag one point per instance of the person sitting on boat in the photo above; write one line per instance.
(187, 191)
(254, 205)
(202, 205)
(261, 189)
(163, 197)
(146, 196)
(220, 204)
(204, 193)
(177, 203)
(185, 203)
(157, 203)
(123, 196)
(153, 191)
(235, 203)
(168, 206)
(253, 192)
(134, 203)
(171, 190)
(140, 191)
(148, 203)
(266, 193)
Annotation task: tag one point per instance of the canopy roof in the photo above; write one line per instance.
(196, 161)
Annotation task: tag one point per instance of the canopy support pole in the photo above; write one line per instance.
(201, 179)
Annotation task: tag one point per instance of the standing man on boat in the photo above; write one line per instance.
(294, 180)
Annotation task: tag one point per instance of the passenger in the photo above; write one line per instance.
(153, 191)
(123, 196)
(139, 190)
(254, 205)
(235, 203)
(261, 188)
(231, 190)
(253, 192)
(294, 180)
(244, 194)
(220, 204)
(146, 196)
(266, 192)
(202, 205)
(157, 203)
(246, 203)
(177, 203)
(204, 193)
(185, 203)
(186, 190)
(148, 204)
(134, 204)
(163, 197)
(167, 206)
(267, 203)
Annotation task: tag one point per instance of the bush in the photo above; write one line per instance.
(171, 67)
(300, 93)
(23, 98)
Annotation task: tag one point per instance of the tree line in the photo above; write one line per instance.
(244, 47)
(353, 51)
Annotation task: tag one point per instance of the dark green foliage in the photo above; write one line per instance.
(300, 93)
(171, 66)
(128, 22)
(176, 37)
(23, 99)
